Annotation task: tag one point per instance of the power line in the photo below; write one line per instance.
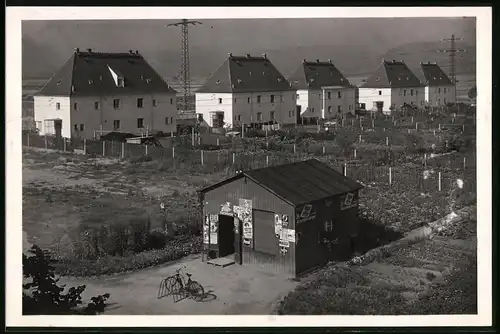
(452, 52)
(185, 74)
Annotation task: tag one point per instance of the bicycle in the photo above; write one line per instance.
(179, 285)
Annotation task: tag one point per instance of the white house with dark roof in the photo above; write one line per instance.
(391, 86)
(246, 90)
(97, 91)
(439, 89)
(322, 90)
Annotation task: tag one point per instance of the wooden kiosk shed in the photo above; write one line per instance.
(291, 218)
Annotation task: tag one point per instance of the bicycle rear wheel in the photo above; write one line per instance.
(168, 286)
(196, 290)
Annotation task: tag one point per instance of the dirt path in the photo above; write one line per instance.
(231, 290)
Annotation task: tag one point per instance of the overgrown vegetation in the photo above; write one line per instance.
(43, 296)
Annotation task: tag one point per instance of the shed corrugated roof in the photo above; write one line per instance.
(316, 75)
(392, 74)
(299, 183)
(246, 74)
(434, 75)
(88, 74)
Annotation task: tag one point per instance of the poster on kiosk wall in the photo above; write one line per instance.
(245, 209)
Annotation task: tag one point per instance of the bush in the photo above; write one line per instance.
(44, 296)
(174, 249)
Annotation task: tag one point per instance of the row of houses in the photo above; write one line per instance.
(103, 92)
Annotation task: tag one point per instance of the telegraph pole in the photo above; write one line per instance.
(185, 75)
(452, 52)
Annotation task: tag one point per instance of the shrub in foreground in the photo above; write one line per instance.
(43, 296)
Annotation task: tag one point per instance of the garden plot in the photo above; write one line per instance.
(436, 276)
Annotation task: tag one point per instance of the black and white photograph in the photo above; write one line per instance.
(204, 161)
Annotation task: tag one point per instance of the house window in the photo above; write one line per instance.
(239, 117)
(439, 101)
(289, 113)
(329, 94)
(58, 106)
(97, 105)
(350, 107)
(171, 120)
(167, 120)
(234, 100)
(171, 101)
(293, 112)
(444, 101)
(411, 92)
(404, 92)
(416, 92)
(282, 98)
(259, 117)
(248, 100)
(379, 92)
(339, 94)
(120, 82)
(329, 108)
(444, 90)
(272, 98)
(271, 115)
(116, 103)
(75, 106)
(81, 127)
(258, 98)
(339, 109)
(439, 90)
(298, 97)
(220, 100)
(154, 103)
(116, 124)
(140, 102)
(76, 127)
(312, 110)
(319, 96)
(140, 123)
(400, 92)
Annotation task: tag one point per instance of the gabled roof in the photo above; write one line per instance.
(434, 75)
(298, 183)
(316, 75)
(392, 74)
(88, 74)
(245, 74)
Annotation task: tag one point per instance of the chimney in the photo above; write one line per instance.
(304, 61)
(229, 54)
(89, 50)
(247, 55)
(264, 55)
(393, 61)
(330, 61)
(131, 52)
(317, 60)
(402, 61)
(77, 49)
(136, 52)
(429, 62)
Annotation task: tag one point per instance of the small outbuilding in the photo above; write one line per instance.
(290, 218)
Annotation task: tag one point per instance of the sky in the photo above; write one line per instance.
(54, 41)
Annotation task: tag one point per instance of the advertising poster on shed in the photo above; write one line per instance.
(245, 208)
(305, 213)
(348, 201)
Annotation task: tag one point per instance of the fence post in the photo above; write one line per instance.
(355, 153)
(103, 148)
(390, 176)
(360, 138)
(64, 144)
(267, 160)
(434, 132)
(343, 119)
(416, 126)
(201, 157)
(463, 128)
(324, 150)
(46, 142)
(123, 150)
(425, 159)
(373, 123)
(439, 181)
(218, 142)
(464, 162)
(234, 158)
(173, 152)
(85, 146)
(386, 141)
(412, 119)
(28, 140)
(345, 169)
(439, 127)
(409, 131)
(192, 136)
(294, 149)
(446, 144)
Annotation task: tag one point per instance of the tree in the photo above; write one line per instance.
(472, 93)
(43, 296)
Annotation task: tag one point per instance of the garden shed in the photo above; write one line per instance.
(290, 218)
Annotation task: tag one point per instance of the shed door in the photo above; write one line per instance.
(309, 251)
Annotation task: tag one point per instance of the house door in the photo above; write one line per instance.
(298, 111)
(238, 244)
(379, 106)
(226, 235)
(58, 128)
